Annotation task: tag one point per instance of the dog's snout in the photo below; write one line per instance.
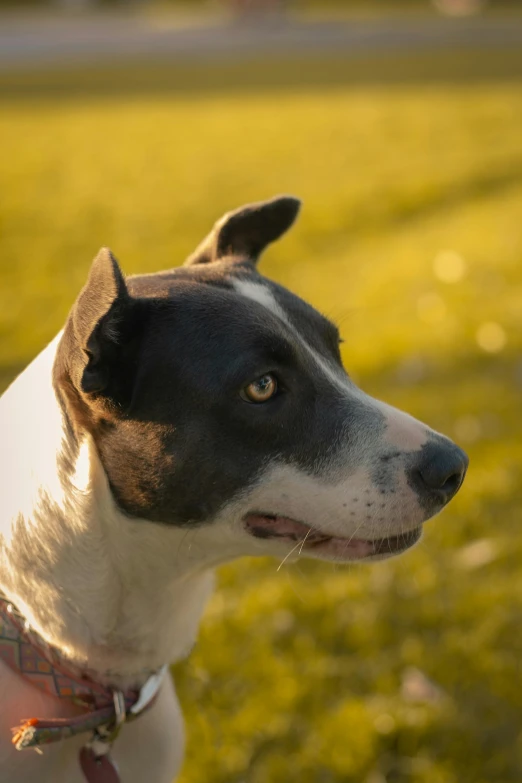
(440, 470)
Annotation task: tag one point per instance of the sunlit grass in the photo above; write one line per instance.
(315, 673)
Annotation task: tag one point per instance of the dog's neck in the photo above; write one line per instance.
(119, 595)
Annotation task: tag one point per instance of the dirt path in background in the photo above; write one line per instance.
(51, 40)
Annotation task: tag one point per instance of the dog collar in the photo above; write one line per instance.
(106, 708)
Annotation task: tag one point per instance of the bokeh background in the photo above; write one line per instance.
(400, 126)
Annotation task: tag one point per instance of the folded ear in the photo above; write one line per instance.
(246, 232)
(98, 320)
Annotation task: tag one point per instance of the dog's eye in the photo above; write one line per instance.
(261, 389)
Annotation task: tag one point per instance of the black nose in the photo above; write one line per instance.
(440, 470)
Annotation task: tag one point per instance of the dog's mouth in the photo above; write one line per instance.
(311, 540)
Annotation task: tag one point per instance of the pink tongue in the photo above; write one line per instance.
(268, 527)
(282, 527)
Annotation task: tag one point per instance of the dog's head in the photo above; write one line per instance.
(218, 401)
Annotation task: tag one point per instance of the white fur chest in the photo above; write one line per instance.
(116, 594)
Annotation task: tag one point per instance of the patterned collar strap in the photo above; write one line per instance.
(24, 651)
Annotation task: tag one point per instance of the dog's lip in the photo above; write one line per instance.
(287, 530)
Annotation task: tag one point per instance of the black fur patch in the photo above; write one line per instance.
(187, 442)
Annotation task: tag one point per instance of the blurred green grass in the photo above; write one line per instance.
(318, 673)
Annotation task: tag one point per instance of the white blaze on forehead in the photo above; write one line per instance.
(262, 295)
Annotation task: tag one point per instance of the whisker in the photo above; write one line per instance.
(283, 561)
(304, 541)
(359, 526)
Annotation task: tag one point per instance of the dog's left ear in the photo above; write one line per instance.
(245, 233)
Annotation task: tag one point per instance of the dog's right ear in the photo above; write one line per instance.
(98, 317)
(97, 326)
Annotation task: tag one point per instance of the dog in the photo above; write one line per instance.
(181, 420)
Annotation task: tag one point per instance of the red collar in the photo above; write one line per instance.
(106, 708)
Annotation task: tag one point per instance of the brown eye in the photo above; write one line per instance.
(261, 389)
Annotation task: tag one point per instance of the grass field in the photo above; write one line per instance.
(411, 238)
